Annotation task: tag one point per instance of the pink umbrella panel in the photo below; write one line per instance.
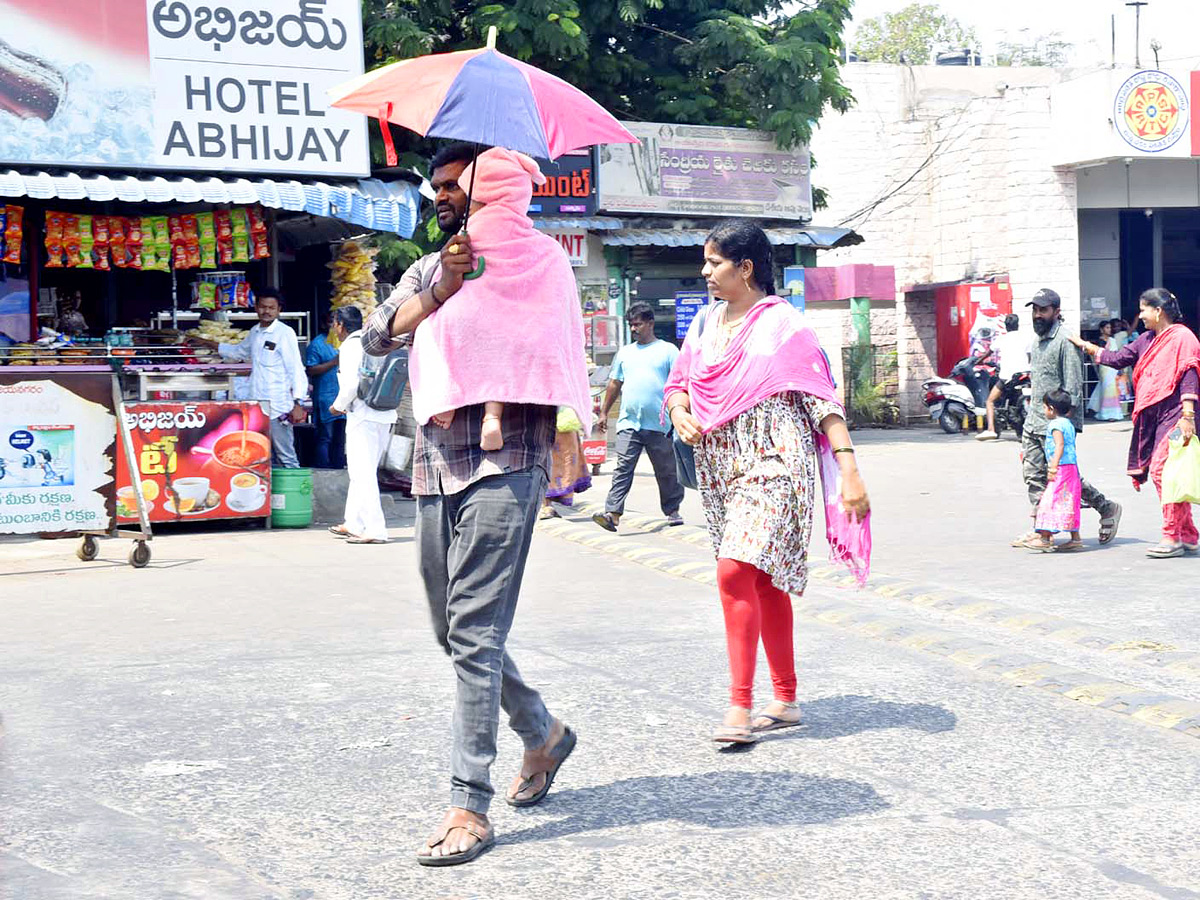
(485, 97)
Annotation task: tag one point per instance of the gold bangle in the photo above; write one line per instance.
(843, 449)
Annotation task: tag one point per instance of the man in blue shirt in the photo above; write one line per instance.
(639, 375)
(320, 364)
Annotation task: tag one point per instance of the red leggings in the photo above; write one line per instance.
(754, 606)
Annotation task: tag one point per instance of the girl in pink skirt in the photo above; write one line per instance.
(1059, 507)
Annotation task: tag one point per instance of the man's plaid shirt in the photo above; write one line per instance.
(448, 460)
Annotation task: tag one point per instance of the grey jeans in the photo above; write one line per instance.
(472, 548)
(1033, 469)
(283, 444)
(660, 449)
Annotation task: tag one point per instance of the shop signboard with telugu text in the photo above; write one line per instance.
(57, 444)
(227, 85)
(570, 188)
(196, 461)
(705, 171)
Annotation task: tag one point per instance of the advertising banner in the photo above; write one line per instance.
(703, 170)
(570, 188)
(574, 241)
(687, 306)
(197, 461)
(57, 443)
(181, 84)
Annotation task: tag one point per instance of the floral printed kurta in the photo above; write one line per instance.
(758, 479)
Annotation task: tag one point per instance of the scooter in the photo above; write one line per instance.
(951, 402)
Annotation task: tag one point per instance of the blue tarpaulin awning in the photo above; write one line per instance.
(368, 202)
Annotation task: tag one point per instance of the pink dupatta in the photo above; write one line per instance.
(774, 353)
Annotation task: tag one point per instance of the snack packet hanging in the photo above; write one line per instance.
(54, 228)
(85, 242)
(154, 228)
(241, 248)
(222, 224)
(13, 232)
(134, 233)
(100, 257)
(205, 230)
(190, 230)
(100, 229)
(208, 254)
(258, 221)
(178, 256)
(175, 229)
(239, 221)
(261, 248)
(193, 254)
(225, 252)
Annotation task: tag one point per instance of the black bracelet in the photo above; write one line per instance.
(434, 296)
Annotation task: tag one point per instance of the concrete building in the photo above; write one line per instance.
(1031, 177)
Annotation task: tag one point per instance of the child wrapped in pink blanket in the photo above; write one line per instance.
(514, 335)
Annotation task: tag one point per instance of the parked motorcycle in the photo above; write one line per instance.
(952, 400)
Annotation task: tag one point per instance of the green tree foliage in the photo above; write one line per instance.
(745, 63)
(910, 35)
(1043, 50)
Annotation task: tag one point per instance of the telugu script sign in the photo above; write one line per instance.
(704, 170)
(56, 454)
(185, 84)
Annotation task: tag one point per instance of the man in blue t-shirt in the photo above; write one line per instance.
(639, 375)
(320, 364)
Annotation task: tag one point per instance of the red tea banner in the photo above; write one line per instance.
(197, 461)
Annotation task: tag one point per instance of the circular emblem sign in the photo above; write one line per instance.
(1151, 111)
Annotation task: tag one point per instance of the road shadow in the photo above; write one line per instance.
(712, 800)
(836, 717)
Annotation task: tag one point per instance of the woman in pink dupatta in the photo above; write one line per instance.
(751, 391)
(1166, 380)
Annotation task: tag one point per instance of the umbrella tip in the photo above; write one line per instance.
(491, 37)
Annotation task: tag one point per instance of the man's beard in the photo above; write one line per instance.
(1041, 327)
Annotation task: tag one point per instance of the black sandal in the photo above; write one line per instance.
(561, 751)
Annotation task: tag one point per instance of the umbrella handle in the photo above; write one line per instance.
(479, 269)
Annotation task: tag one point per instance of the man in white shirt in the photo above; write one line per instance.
(1011, 352)
(277, 377)
(367, 432)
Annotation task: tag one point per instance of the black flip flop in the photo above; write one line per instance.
(562, 750)
(774, 724)
(481, 846)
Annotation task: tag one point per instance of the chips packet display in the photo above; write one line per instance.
(155, 229)
(241, 248)
(261, 248)
(14, 217)
(243, 295)
(206, 295)
(258, 222)
(175, 229)
(205, 230)
(85, 242)
(222, 224)
(100, 229)
(239, 221)
(224, 252)
(134, 231)
(208, 254)
(191, 231)
(54, 227)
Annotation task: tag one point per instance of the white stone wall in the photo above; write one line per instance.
(944, 171)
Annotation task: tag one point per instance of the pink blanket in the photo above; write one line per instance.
(516, 334)
(773, 353)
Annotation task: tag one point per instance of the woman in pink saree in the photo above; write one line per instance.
(752, 392)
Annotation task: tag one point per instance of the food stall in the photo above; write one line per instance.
(153, 186)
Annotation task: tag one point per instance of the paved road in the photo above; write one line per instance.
(264, 715)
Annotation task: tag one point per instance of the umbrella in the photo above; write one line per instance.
(484, 97)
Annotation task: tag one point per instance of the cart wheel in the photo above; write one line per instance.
(596, 469)
(89, 549)
(139, 555)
